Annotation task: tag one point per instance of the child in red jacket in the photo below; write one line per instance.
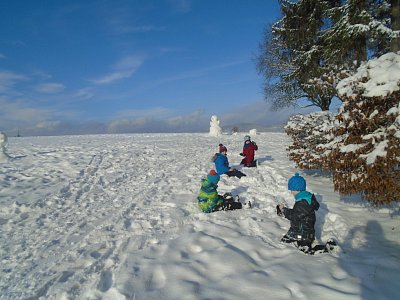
(249, 148)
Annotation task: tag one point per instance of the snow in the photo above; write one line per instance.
(377, 77)
(351, 147)
(116, 217)
(379, 150)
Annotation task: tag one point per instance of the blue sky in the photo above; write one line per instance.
(127, 66)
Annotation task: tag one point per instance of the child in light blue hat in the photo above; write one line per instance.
(208, 198)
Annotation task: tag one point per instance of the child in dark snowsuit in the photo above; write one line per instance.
(301, 216)
(222, 164)
(209, 200)
(249, 148)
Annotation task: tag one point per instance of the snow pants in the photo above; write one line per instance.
(228, 204)
(235, 173)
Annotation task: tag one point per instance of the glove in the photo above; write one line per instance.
(254, 143)
(241, 154)
(279, 210)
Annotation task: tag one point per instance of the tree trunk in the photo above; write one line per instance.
(325, 103)
(395, 19)
(362, 50)
(361, 54)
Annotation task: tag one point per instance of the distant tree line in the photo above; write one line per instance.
(304, 56)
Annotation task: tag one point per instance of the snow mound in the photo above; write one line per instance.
(378, 77)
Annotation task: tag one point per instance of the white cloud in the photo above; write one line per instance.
(48, 125)
(85, 93)
(183, 6)
(202, 72)
(157, 112)
(123, 69)
(9, 79)
(193, 122)
(259, 113)
(50, 88)
(41, 75)
(36, 121)
(187, 121)
(16, 113)
(141, 28)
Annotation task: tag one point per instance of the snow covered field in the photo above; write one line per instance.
(115, 217)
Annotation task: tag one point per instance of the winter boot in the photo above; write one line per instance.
(287, 239)
(279, 211)
(330, 245)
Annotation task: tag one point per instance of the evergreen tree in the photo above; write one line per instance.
(365, 154)
(291, 56)
(311, 136)
(318, 43)
(359, 29)
(275, 65)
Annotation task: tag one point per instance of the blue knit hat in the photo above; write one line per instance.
(297, 183)
(213, 177)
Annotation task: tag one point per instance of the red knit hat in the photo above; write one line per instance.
(213, 177)
(222, 148)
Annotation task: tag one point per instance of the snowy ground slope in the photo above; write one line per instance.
(115, 217)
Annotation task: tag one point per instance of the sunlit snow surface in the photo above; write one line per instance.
(115, 217)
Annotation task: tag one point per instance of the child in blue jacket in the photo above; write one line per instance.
(222, 164)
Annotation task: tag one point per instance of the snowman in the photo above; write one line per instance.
(3, 145)
(215, 129)
(253, 132)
